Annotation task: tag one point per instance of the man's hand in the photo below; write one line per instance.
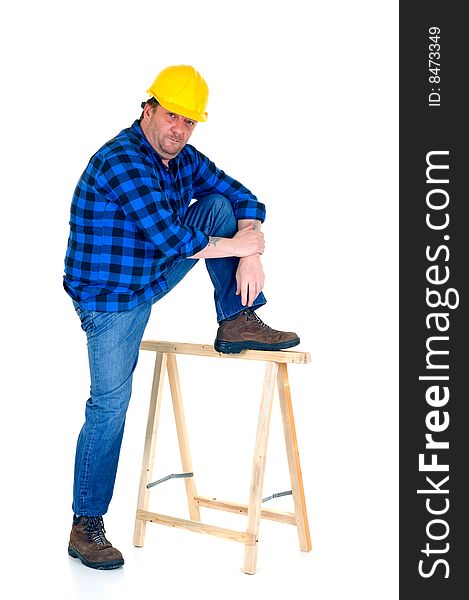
(249, 279)
(247, 244)
(248, 241)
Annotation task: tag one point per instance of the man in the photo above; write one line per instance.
(134, 234)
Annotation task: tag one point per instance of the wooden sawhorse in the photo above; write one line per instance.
(276, 373)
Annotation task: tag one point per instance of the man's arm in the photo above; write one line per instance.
(244, 243)
(248, 245)
(250, 214)
(250, 274)
(209, 179)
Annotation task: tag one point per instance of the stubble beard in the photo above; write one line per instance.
(171, 147)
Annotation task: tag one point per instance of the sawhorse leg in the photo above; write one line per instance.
(149, 448)
(164, 362)
(258, 470)
(293, 459)
(275, 373)
(183, 438)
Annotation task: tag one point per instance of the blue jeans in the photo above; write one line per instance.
(113, 346)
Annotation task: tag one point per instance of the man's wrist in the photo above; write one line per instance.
(251, 256)
(253, 224)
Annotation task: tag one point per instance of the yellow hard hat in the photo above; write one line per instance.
(182, 90)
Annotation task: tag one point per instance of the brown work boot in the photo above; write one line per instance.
(89, 544)
(248, 332)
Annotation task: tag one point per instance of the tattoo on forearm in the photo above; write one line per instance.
(212, 241)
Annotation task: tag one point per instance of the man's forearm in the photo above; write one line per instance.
(253, 224)
(250, 274)
(245, 242)
(248, 241)
(217, 247)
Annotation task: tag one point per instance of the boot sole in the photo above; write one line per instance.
(237, 347)
(104, 566)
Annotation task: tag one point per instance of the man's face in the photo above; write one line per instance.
(167, 132)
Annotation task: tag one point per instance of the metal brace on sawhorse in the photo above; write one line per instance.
(276, 375)
(168, 477)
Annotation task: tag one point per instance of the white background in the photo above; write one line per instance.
(303, 110)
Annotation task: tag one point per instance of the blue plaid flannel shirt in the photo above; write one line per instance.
(127, 220)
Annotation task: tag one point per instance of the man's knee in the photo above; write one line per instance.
(214, 215)
(224, 222)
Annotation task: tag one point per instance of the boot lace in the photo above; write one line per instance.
(94, 526)
(251, 316)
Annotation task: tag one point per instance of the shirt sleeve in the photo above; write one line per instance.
(134, 186)
(210, 179)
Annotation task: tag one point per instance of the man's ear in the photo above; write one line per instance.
(148, 107)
